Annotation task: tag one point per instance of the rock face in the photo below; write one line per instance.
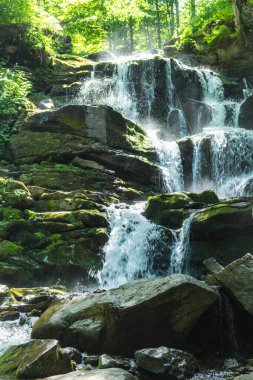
(237, 278)
(223, 231)
(36, 359)
(72, 129)
(246, 114)
(164, 363)
(100, 374)
(118, 321)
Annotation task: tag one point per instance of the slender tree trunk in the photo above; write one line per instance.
(131, 34)
(177, 14)
(158, 23)
(239, 23)
(172, 19)
(193, 8)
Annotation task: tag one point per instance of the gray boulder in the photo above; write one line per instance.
(237, 278)
(97, 374)
(166, 363)
(147, 312)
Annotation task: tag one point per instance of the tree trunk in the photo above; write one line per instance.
(239, 23)
(131, 34)
(177, 14)
(172, 19)
(158, 24)
(193, 8)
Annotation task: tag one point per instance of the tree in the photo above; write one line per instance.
(239, 22)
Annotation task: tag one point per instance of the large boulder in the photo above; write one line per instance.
(237, 278)
(35, 359)
(119, 320)
(223, 231)
(14, 194)
(246, 113)
(75, 128)
(97, 374)
(164, 363)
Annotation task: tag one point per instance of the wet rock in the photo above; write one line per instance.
(246, 114)
(170, 210)
(99, 374)
(9, 315)
(186, 147)
(74, 354)
(164, 363)
(101, 56)
(118, 321)
(107, 361)
(91, 360)
(35, 359)
(237, 278)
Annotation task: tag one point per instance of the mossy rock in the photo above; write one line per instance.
(170, 210)
(14, 194)
(35, 359)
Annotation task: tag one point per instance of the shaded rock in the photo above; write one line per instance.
(130, 167)
(237, 278)
(99, 374)
(107, 361)
(118, 321)
(87, 164)
(166, 363)
(186, 147)
(74, 354)
(35, 359)
(246, 113)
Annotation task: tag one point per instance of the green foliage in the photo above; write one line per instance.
(14, 91)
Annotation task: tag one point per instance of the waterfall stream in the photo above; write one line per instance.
(148, 90)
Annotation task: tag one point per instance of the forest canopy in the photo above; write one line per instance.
(127, 25)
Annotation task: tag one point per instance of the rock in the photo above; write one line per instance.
(130, 167)
(98, 374)
(246, 113)
(87, 164)
(101, 56)
(170, 210)
(118, 321)
(75, 128)
(213, 266)
(227, 224)
(14, 194)
(186, 147)
(237, 278)
(74, 354)
(9, 316)
(231, 363)
(35, 359)
(107, 361)
(248, 376)
(164, 363)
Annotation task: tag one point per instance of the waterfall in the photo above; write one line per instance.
(132, 246)
(181, 246)
(229, 154)
(149, 91)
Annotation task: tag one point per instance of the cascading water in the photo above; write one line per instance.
(132, 245)
(148, 90)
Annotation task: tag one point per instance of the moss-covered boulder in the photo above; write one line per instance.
(74, 128)
(170, 210)
(35, 359)
(14, 194)
(118, 321)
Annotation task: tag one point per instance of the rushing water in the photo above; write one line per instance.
(148, 90)
(132, 246)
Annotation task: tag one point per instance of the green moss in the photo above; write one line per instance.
(8, 248)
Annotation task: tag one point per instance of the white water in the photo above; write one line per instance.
(131, 239)
(181, 247)
(226, 150)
